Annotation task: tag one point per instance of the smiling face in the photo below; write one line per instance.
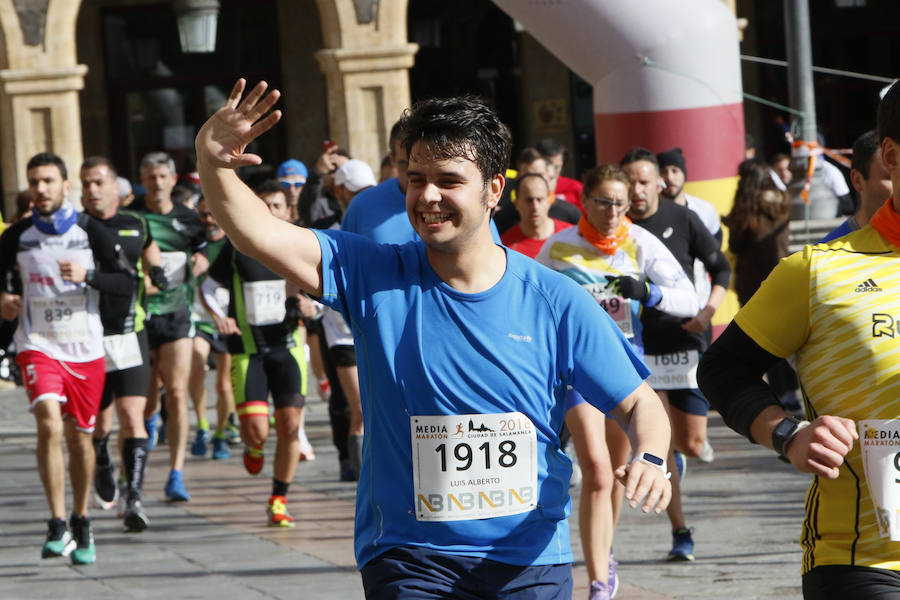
(606, 204)
(99, 191)
(447, 201)
(645, 188)
(48, 188)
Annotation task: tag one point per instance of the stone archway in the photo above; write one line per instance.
(39, 84)
(366, 63)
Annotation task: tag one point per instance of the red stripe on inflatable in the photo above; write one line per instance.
(712, 137)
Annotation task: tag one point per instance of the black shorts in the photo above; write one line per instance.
(162, 329)
(217, 344)
(837, 582)
(689, 400)
(129, 382)
(342, 356)
(281, 372)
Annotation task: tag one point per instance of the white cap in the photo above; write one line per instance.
(124, 186)
(355, 175)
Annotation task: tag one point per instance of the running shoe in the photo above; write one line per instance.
(151, 425)
(59, 540)
(175, 490)
(306, 450)
(135, 518)
(599, 591)
(84, 552)
(324, 390)
(105, 489)
(161, 430)
(253, 459)
(707, 454)
(680, 465)
(612, 578)
(278, 514)
(220, 449)
(232, 433)
(201, 443)
(682, 545)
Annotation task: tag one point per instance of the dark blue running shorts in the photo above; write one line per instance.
(410, 573)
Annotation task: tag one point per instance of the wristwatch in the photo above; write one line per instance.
(784, 432)
(652, 459)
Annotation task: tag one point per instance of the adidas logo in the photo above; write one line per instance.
(868, 285)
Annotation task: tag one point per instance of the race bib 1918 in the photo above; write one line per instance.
(676, 371)
(264, 301)
(473, 466)
(617, 307)
(879, 443)
(62, 319)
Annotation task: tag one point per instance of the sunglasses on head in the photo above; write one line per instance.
(287, 184)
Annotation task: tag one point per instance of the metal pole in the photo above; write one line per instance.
(821, 203)
(799, 57)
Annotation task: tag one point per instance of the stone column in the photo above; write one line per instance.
(39, 84)
(366, 63)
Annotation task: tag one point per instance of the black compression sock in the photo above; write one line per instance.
(101, 451)
(279, 488)
(134, 456)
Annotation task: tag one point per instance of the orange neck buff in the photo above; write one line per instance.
(886, 221)
(607, 243)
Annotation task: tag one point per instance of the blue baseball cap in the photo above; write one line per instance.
(293, 166)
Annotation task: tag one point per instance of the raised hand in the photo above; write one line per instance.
(222, 139)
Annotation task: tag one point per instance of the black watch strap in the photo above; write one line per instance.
(783, 433)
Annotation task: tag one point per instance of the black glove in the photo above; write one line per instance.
(629, 287)
(292, 314)
(158, 277)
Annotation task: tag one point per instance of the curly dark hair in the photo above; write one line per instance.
(460, 127)
(757, 196)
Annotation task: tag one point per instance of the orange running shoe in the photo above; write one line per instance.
(278, 514)
(254, 459)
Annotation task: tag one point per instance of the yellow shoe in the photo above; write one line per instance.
(278, 514)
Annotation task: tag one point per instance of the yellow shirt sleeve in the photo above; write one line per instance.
(777, 316)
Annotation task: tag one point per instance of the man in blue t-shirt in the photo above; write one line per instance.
(463, 398)
(379, 213)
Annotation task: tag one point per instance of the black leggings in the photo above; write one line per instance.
(840, 582)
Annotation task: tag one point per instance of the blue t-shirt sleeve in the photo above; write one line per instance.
(341, 255)
(600, 363)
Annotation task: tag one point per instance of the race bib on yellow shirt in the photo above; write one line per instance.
(473, 466)
(879, 442)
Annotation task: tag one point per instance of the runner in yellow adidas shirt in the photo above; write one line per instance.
(836, 307)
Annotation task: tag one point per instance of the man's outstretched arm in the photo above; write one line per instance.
(290, 251)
